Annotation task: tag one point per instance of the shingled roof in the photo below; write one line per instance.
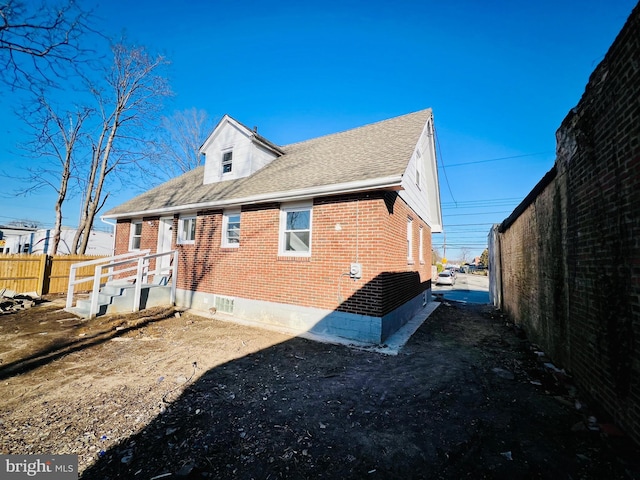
(368, 156)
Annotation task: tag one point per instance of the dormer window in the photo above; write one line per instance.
(227, 161)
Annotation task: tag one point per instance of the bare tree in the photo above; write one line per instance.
(464, 254)
(56, 140)
(38, 41)
(132, 96)
(178, 146)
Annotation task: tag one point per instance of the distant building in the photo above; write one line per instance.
(15, 239)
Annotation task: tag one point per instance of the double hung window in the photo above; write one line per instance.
(409, 239)
(187, 230)
(295, 230)
(227, 161)
(136, 235)
(231, 229)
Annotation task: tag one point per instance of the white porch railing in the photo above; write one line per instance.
(119, 265)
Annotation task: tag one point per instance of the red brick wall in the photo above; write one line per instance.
(372, 231)
(148, 239)
(571, 260)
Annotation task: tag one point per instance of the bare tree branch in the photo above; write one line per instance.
(38, 43)
(133, 95)
(177, 149)
(56, 140)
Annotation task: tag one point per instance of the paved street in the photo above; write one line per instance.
(468, 288)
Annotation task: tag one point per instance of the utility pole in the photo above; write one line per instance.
(444, 248)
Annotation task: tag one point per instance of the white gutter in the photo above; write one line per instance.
(113, 241)
(386, 183)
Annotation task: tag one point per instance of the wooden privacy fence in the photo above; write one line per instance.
(42, 274)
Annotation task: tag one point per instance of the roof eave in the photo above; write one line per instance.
(386, 183)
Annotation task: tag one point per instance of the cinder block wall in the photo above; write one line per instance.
(370, 229)
(571, 255)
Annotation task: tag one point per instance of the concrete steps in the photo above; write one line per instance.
(119, 298)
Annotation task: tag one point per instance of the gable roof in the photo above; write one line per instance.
(259, 139)
(371, 157)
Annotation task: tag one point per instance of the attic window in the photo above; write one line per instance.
(227, 158)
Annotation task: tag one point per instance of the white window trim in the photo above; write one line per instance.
(421, 245)
(133, 235)
(225, 226)
(222, 162)
(409, 240)
(298, 207)
(181, 233)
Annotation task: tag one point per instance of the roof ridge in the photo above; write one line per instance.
(360, 155)
(368, 125)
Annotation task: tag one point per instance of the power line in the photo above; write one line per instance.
(457, 246)
(438, 146)
(476, 213)
(499, 159)
(471, 224)
(471, 233)
(485, 200)
(510, 206)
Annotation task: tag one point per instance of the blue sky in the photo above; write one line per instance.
(499, 75)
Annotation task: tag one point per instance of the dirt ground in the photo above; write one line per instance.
(159, 395)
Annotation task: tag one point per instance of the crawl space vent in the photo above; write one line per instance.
(224, 304)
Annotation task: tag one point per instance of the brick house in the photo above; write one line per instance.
(330, 235)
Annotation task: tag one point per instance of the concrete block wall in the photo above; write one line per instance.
(570, 254)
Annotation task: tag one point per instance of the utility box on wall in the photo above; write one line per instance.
(355, 271)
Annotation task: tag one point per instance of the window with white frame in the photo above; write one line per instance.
(227, 161)
(231, 228)
(187, 229)
(136, 235)
(409, 239)
(295, 230)
(421, 245)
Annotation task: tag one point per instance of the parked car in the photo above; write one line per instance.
(446, 278)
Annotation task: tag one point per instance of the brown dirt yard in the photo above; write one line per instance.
(159, 395)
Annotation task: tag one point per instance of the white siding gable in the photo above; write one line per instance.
(247, 154)
(420, 180)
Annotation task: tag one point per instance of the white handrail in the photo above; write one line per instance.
(110, 261)
(141, 261)
(139, 276)
(174, 277)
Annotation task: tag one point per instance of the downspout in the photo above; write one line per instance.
(113, 242)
